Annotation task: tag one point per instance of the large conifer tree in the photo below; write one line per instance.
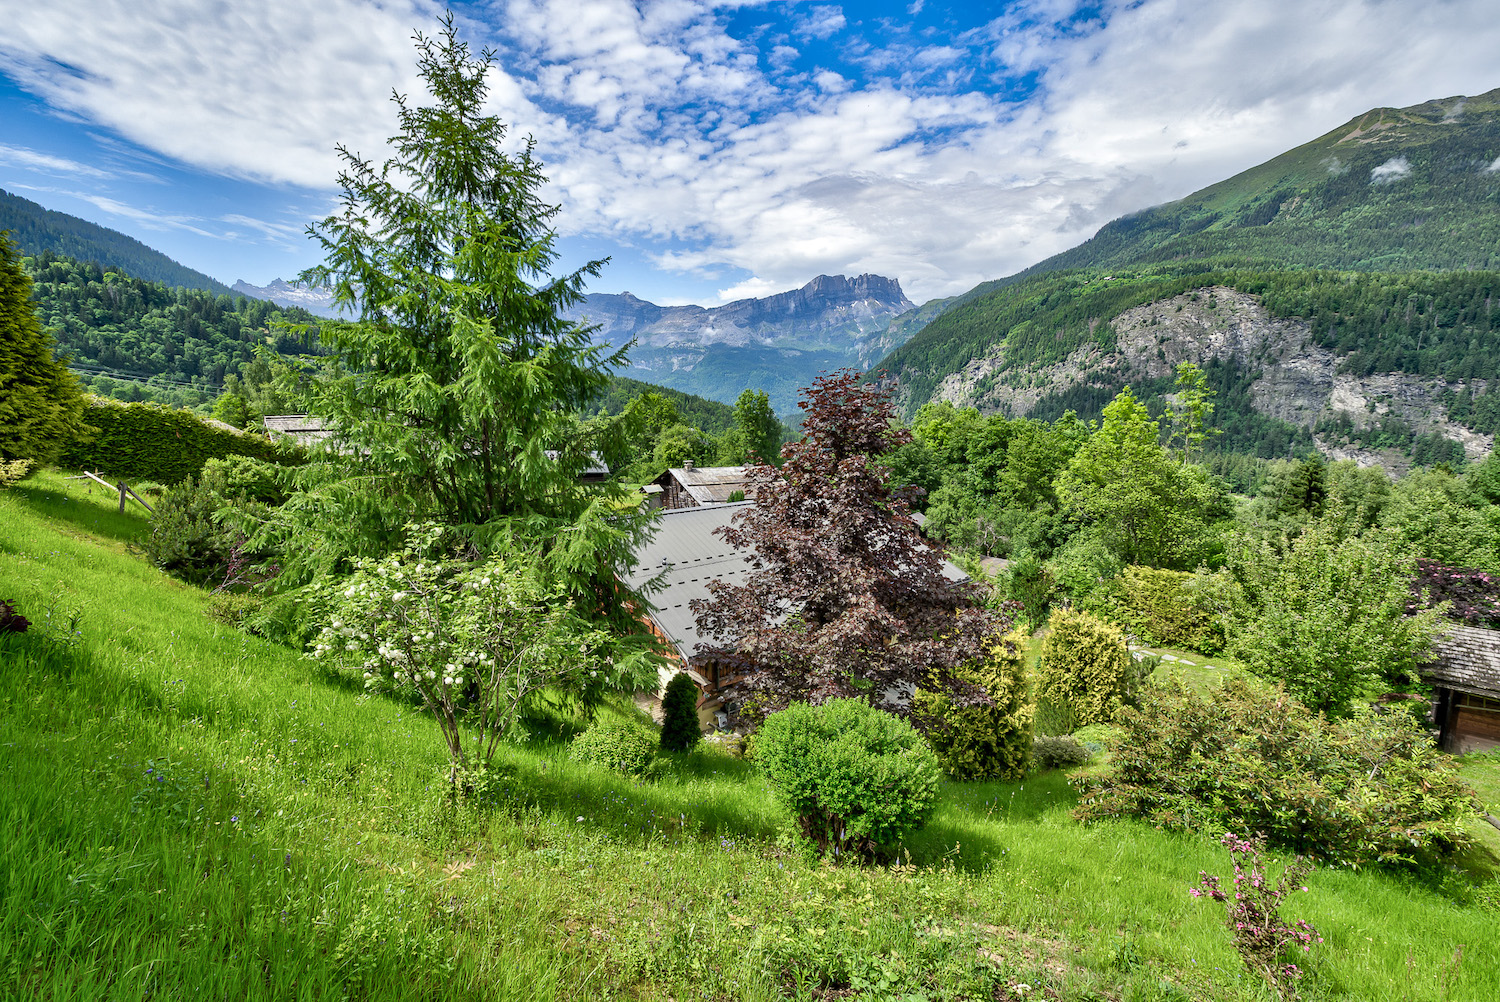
(41, 407)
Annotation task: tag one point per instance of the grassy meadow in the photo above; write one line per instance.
(190, 812)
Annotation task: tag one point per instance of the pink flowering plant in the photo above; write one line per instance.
(1267, 943)
(473, 640)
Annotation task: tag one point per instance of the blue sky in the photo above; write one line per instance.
(712, 150)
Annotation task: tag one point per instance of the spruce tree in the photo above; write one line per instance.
(679, 707)
(41, 406)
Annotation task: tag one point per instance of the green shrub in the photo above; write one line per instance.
(189, 539)
(1371, 789)
(185, 539)
(1177, 609)
(625, 748)
(13, 471)
(1088, 575)
(679, 708)
(984, 742)
(854, 778)
(1058, 751)
(1085, 666)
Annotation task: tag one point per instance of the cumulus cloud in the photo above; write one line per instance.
(1494, 167)
(1391, 171)
(940, 157)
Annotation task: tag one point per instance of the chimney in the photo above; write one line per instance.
(687, 465)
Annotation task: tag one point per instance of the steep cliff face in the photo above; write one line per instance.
(777, 343)
(1296, 380)
(831, 311)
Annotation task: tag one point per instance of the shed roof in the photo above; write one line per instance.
(1466, 658)
(708, 484)
(686, 554)
(305, 429)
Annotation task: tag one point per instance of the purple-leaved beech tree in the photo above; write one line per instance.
(844, 598)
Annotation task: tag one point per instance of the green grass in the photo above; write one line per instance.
(190, 812)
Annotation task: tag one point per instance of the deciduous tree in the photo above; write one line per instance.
(845, 599)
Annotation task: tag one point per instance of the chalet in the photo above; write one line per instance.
(683, 556)
(1465, 676)
(688, 486)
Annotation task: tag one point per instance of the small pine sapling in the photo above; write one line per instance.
(679, 707)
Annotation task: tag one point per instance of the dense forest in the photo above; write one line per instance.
(38, 230)
(1422, 323)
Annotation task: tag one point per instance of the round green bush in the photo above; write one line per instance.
(1085, 666)
(976, 743)
(1058, 751)
(622, 747)
(679, 708)
(855, 779)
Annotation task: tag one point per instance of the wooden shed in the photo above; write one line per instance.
(1465, 676)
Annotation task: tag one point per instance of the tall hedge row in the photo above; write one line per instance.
(152, 442)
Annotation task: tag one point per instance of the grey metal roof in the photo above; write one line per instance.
(302, 428)
(687, 555)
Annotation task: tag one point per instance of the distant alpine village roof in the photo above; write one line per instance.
(685, 554)
(688, 485)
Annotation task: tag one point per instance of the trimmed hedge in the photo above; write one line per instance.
(152, 442)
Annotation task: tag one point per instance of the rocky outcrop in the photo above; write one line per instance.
(1298, 381)
(831, 312)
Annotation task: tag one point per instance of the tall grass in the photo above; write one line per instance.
(190, 812)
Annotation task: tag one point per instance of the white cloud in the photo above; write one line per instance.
(1494, 167)
(824, 21)
(659, 128)
(44, 163)
(1391, 171)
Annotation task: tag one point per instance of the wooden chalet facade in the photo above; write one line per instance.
(689, 486)
(1465, 676)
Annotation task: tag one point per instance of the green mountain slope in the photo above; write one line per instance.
(36, 229)
(1392, 190)
(1377, 243)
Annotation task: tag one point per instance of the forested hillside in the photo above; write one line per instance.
(1051, 343)
(117, 325)
(36, 230)
(1379, 241)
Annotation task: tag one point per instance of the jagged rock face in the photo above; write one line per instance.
(1298, 380)
(319, 301)
(831, 311)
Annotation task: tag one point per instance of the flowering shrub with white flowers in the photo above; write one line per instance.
(474, 640)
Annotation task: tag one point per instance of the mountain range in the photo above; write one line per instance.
(1341, 293)
(778, 343)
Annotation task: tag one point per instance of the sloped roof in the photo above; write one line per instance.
(708, 484)
(1466, 658)
(304, 428)
(687, 555)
